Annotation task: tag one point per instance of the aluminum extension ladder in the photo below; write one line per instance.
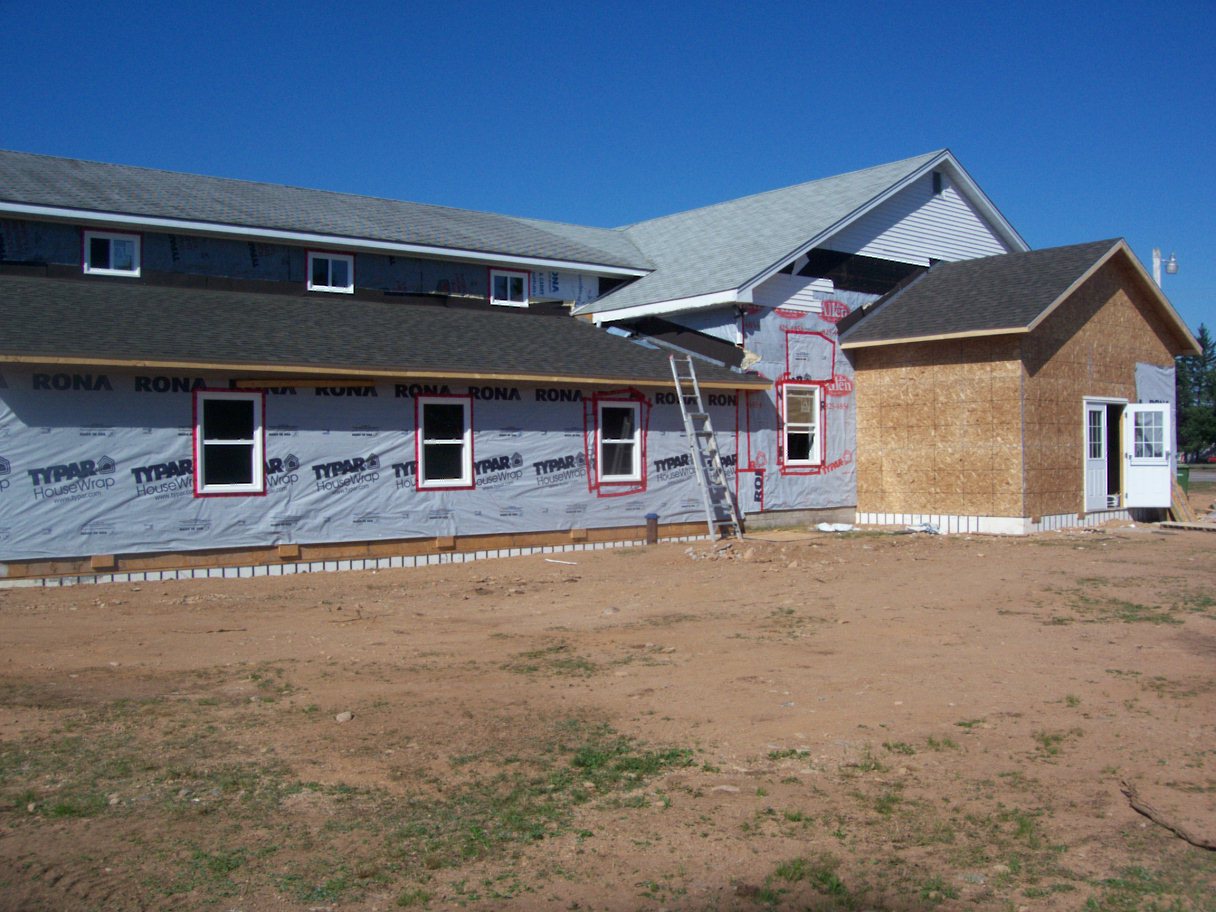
(721, 511)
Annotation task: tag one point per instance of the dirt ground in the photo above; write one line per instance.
(801, 721)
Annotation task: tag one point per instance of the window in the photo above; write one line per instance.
(510, 289)
(1096, 433)
(1148, 435)
(331, 272)
(619, 450)
(445, 443)
(228, 443)
(106, 253)
(803, 446)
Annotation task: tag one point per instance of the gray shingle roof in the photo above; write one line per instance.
(974, 297)
(724, 246)
(122, 189)
(318, 335)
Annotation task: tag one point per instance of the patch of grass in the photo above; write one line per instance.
(81, 804)
(788, 753)
(1127, 892)
(887, 802)
(552, 660)
(1198, 603)
(1051, 743)
(941, 744)
(414, 896)
(969, 723)
(867, 762)
(1102, 608)
(899, 747)
(936, 890)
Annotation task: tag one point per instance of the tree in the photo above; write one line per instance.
(1195, 394)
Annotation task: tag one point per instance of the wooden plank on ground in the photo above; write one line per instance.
(1180, 508)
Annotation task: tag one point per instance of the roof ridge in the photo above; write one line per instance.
(926, 156)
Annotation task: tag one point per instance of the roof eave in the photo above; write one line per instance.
(329, 241)
(283, 374)
(674, 305)
(938, 337)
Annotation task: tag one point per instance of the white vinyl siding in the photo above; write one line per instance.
(783, 290)
(917, 225)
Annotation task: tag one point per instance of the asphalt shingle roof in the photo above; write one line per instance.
(108, 322)
(973, 297)
(43, 180)
(724, 246)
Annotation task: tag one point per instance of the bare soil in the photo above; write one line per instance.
(860, 721)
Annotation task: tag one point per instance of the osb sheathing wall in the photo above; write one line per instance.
(939, 428)
(1089, 346)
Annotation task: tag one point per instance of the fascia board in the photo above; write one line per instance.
(675, 305)
(939, 337)
(970, 189)
(332, 242)
(290, 374)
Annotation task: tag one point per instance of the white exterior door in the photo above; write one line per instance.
(1095, 457)
(1146, 455)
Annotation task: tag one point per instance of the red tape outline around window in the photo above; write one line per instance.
(591, 432)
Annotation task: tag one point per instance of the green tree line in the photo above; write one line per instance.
(1195, 386)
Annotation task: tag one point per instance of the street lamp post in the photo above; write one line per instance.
(1171, 265)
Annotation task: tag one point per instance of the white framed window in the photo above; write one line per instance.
(509, 288)
(801, 413)
(331, 272)
(619, 447)
(108, 253)
(228, 443)
(445, 442)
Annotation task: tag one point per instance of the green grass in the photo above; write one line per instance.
(1051, 743)
(183, 787)
(552, 660)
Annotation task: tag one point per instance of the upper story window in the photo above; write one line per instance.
(803, 443)
(331, 272)
(108, 253)
(509, 288)
(445, 442)
(228, 443)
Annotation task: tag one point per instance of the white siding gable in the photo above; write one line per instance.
(721, 323)
(917, 225)
(783, 290)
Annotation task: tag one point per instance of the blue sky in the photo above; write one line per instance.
(1080, 120)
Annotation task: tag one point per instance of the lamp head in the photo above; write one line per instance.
(1171, 265)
